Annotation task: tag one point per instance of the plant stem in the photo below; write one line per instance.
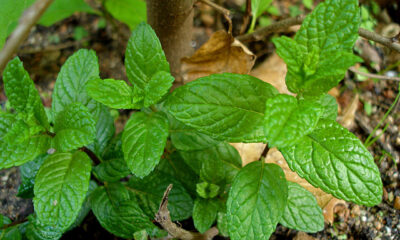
(172, 20)
(164, 219)
(367, 142)
(91, 154)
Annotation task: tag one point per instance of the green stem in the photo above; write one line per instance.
(367, 142)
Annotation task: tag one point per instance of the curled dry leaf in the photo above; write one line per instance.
(221, 53)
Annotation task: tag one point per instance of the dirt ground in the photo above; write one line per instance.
(48, 48)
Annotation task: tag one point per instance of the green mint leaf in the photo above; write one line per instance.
(320, 54)
(12, 154)
(144, 56)
(333, 159)
(222, 224)
(228, 107)
(333, 25)
(302, 212)
(256, 201)
(150, 190)
(143, 142)
(329, 107)
(116, 212)
(207, 190)
(85, 206)
(74, 127)
(71, 82)
(113, 93)
(112, 170)
(60, 188)
(186, 138)
(105, 130)
(218, 164)
(205, 213)
(175, 166)
(328, 72)
(21, 92)
(35, 230)
(10, 233)
(287, 120)
(131, 12)
(28, 173)
(158, 85)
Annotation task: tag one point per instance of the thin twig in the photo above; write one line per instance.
(246, 17)
(164, 219)
(388, 42)
(371, 75)
(284, 24)
(274, 27)
(224, 11)
(26, 22)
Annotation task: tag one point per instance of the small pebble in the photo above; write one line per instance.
(363, 218)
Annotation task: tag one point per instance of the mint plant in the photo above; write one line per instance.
(73, 162)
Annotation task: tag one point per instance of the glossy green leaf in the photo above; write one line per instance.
(112, 93)
(61, 9)
(150, 190)
(15, 154)
(256, 201)
(116, 212)
(144, 56)
(157, 87)
(205, 213)
(131, 12)
(60, 188)
(10, 233)
(222, 224)
(186, 138)
(105, 130)
(207, 190)
(74, 127)
(83, 212)
(35, 230)
(332, 26)
(112, 170)
(288, 120)
(302, 212)
(21, 92)
(175, 166)
(333, 159)
(320, 54)
(28, 173)
(329, 107)
(218, 164)
(225, 106)
(71, 82)
(143, 142)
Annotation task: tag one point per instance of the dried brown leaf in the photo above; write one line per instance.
(347, 119)
(221, 53)
(273, 71)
